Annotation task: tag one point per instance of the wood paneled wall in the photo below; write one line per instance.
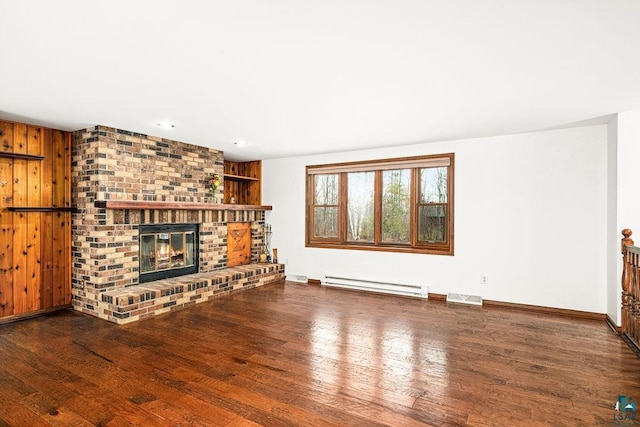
(35, 218)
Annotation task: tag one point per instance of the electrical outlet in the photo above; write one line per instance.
(484, 280)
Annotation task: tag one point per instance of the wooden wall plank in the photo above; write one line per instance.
(34, 195)
(34, 146)
(59, 259)
(46, 184)
(46, 224)
(34, 140)
(20, 263)
(6, 136)
(47, 271)
(20, 229)
(59, 176)
(67, 216)
(62, 220)
(33, 274)
(6, 221)
(20, 141)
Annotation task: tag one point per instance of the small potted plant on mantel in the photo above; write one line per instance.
(214, 182)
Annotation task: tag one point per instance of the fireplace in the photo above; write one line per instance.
(167, 250)
(125, 182)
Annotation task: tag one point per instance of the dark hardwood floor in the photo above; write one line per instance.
(292, 354)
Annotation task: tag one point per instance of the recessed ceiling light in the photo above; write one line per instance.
(240, 143)
(165, 125)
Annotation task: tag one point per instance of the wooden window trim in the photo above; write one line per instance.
(415, 245)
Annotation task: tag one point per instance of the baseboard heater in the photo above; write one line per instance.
(420, 291)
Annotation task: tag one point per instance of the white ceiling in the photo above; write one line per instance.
(293, 77)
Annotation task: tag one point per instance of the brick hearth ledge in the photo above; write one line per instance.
(126, 305)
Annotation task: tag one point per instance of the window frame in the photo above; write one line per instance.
(414, 163)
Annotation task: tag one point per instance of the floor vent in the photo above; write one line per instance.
(464, 299)
(297, 278)
(421, 291)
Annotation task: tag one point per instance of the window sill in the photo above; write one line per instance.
(383, 248)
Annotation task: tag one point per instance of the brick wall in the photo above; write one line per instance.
(113, 164)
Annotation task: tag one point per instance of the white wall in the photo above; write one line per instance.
(614, 260)
(530, 213)
(624, 206)
(629, 172)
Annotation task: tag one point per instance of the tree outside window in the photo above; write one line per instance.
(325, 210)
(432, 209)
(396, 206)
(360, 206)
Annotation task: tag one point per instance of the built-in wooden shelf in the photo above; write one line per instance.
(136, 204)
(239, 177)
(243, 182)
(41, 209)
(20, 156)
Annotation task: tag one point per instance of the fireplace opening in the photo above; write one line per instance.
(167, 250)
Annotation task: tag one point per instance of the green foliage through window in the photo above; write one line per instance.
(396, 206)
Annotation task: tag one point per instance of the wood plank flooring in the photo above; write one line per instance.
(292, 354)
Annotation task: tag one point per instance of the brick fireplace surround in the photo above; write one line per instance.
(123, 179)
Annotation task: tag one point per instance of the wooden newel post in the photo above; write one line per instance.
(626, 240)
(627, 272)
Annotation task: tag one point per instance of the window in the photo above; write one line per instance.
(325, 208)
(360, 187)
(397, 205)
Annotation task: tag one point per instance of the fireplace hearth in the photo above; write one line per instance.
(167, 250)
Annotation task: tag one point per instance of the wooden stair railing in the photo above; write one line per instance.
(630, 289)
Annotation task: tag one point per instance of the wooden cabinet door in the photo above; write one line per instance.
(238, 243)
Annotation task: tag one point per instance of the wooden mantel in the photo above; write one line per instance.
(135, 204)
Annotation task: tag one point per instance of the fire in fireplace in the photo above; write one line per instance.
(167, 250)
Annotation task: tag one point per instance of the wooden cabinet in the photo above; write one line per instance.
(242, 182)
